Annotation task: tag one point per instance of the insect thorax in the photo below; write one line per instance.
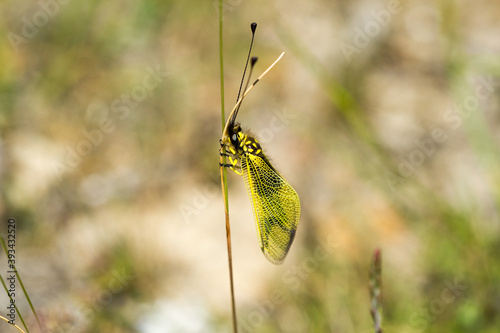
(243, 146)
(241, 143)
(249, 145)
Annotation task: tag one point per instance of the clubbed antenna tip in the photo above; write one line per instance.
(253, 26)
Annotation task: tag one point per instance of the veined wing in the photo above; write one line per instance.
(276, 207)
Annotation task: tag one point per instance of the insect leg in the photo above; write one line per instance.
(233, 165)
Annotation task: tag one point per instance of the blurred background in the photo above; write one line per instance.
(383, 115)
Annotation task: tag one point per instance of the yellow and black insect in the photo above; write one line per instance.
(276, 205)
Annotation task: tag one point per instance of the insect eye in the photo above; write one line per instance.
(233, 138)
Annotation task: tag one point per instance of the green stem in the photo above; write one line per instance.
(224, 171)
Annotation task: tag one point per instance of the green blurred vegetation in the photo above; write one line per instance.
(109, 129)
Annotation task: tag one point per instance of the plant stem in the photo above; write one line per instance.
(223, 172)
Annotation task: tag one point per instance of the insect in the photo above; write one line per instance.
(275, 204)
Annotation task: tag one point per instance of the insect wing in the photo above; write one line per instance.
(276, 207)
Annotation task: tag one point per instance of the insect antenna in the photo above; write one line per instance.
(253, 60)
(234, 112)
(253, 27)
(238, 101)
